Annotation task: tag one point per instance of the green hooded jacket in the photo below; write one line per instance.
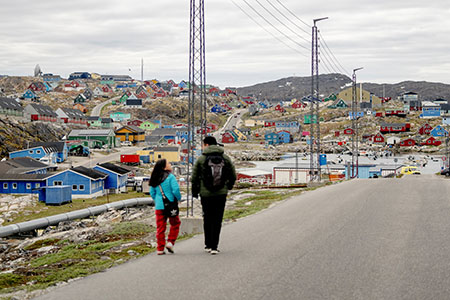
(198, 186)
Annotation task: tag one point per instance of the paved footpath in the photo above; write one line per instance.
(363, 239)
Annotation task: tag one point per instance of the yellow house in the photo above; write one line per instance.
(347, 96)
(170, 153)
(240, 135)
(250, 123)
(96, 76)
(131, 133)
(259, 122)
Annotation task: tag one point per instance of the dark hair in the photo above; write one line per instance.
(158, 172)
(210, 140)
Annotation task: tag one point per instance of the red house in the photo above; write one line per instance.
(337, 133)
(348, 131)
(425, 129)
(279, 108)
(142, 95)
(255, 177)
(298, 104)
(379, 114)
(407, 143)
(37, 87)
(378, 138)
(394, 127)
(106, 89)
(395, 112)
(269, 123)
(136, 123)
(431, 141)
(228, 138)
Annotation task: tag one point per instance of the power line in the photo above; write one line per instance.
(337, 61)
(281, 22)
(273, 35)
(309, 26)
(329, 61)
(274, 27)
(293, 23)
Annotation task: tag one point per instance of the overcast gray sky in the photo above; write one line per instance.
(393, 40)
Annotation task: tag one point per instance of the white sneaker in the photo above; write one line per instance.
(169, 247)
(207, 250)
(214, 252)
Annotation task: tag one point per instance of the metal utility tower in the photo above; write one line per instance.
(314, 156)
(354, 117)
(197, 89)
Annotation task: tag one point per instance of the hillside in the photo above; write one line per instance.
(298, 87)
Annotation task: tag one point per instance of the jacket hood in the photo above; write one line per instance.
(213, 149)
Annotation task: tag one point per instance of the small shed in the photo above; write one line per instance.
(58, 194)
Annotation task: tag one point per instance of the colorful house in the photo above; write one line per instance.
(134, 103)
(439, 131)
(80, 107)
(271, 138)
(131, 133)
(136, 123)
(431, 141)
(407, 143)
(425, 129)
(71, 116)
(394, 127)
(149, 125)
(94, 137)
(338, 103)
(85, 182)
(116, 181)
(37, 112)
(430, 110)
(218, 109)
(119, 116)
(285, 137)
(348, 131)
(378, 138)
(80, 99)
(10, 107)
(29, 94)
(228, 138)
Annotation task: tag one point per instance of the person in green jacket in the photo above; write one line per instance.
(212, 177)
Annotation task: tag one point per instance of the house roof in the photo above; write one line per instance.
(24, 177)
(21, 165)
(43, 110)
(106, 120)
(9, 103)
(91, 173)
(134, 101)
(166, 131)
(132, 128)
(254, 172)
(166, 149)
(91, 132)
(73, 113)
(114, 168)
(49, 146)
(392, 124)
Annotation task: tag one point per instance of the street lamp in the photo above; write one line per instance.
(355, 150)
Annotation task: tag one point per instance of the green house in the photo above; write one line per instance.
(339, 103)
(307, 119)
(147, 125)
(94, 122)
(124, 98)
(80, 99)
(111, 82)
(94, 137)
(119, 116)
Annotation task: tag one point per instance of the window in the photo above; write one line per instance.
(14, 186)
(57, 182)
(74, 187)
(159, 156)
(28, 186)
(81, 187)
(30, 151)
(38, 151)
(5, 186)
(37, 185)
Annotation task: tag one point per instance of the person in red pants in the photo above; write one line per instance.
(162, 178)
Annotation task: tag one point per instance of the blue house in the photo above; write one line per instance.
(21, 183)
(85, 182)
(33, 152)
(48, 87)
(363, 171)
(284, 137)
(290, 126)
(79, 75)
(271, 138)
(438, 131)
(218, 109)
(263, 105)
(60, 149)
(117, 177)
(29, 94)
(430, 110)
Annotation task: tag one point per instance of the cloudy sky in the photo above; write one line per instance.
(393, 40)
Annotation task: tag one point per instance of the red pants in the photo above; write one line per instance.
(161, 223)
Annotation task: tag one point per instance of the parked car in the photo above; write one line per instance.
(126, 143)
(445, 172)
(410, 170)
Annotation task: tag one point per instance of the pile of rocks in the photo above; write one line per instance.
(12, 205)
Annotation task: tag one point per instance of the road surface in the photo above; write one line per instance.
(361, 239)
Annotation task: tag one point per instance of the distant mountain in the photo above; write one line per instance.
(298, 87)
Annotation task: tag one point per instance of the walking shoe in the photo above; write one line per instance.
(169, 247)
(214, 252)
(160, 252)
(207, 250)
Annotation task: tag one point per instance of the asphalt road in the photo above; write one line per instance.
(362, 239)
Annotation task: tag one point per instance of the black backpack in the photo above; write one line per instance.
(215, 172)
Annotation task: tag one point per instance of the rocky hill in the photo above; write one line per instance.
(15, 135)
(298, 87)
